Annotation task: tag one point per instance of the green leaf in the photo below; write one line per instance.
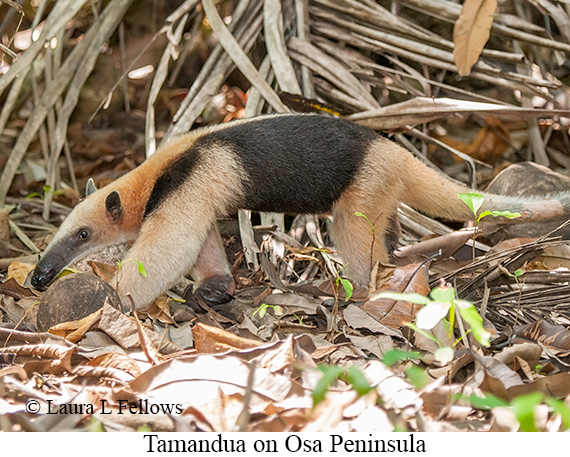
(507, 214)
(67, 271)
(261, 310)
(412, 298)
(524, 407)
(355, 377)
(140, 266)
(473, 200)
(518, 272)
(359, 214)
(560, 408)
(330, 375)
(47, 190)
(141, 269)
(394, 356)
(474, 320)
(348, 287)
(415, 328)
(299, 318)
(483, 214)
(443, 294)
(330, 370)
(418, 377)
(487, 402)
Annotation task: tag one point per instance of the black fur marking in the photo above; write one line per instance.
(295, 163)
(392, 235)
(171, 179)
(114, 206)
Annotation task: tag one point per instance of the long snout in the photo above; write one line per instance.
(46, 270)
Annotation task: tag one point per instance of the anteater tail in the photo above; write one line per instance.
(432, 193)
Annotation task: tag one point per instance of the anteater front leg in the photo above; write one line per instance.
(168, 248)
(181, 223)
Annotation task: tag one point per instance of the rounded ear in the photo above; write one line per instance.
(90, 187)
(114, 206)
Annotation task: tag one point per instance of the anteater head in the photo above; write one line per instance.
(94, 223)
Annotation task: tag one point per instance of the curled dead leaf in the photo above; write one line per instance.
(60, 354)
(73, 331)
(214, 340)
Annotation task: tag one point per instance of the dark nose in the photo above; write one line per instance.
(40, 278)
(36, 280)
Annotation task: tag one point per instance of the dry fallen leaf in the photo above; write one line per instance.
(51, 355)
(19, 271)
(124, 331)
(117, 361)
(73, 331)
(555, 337)
(471, 33)
(496, 377)
(527, 351)
(377, 345)
(213, 340)
(358, 318)
(412, 278)
(556, 385)
(422, 109)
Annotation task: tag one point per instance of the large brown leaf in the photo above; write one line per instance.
(471, 32)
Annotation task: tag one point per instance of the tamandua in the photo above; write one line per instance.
(290, 163)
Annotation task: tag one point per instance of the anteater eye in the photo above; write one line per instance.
(83, 234)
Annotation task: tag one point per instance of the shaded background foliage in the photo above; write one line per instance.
(164, 67)
(355, 55)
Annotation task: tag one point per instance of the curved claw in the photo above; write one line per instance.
(216, 290)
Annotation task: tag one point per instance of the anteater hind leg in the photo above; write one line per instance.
(361, 247)
(214, 282)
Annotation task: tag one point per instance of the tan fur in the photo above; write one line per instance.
(426, 190)
(353, 235)
(173, 256)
